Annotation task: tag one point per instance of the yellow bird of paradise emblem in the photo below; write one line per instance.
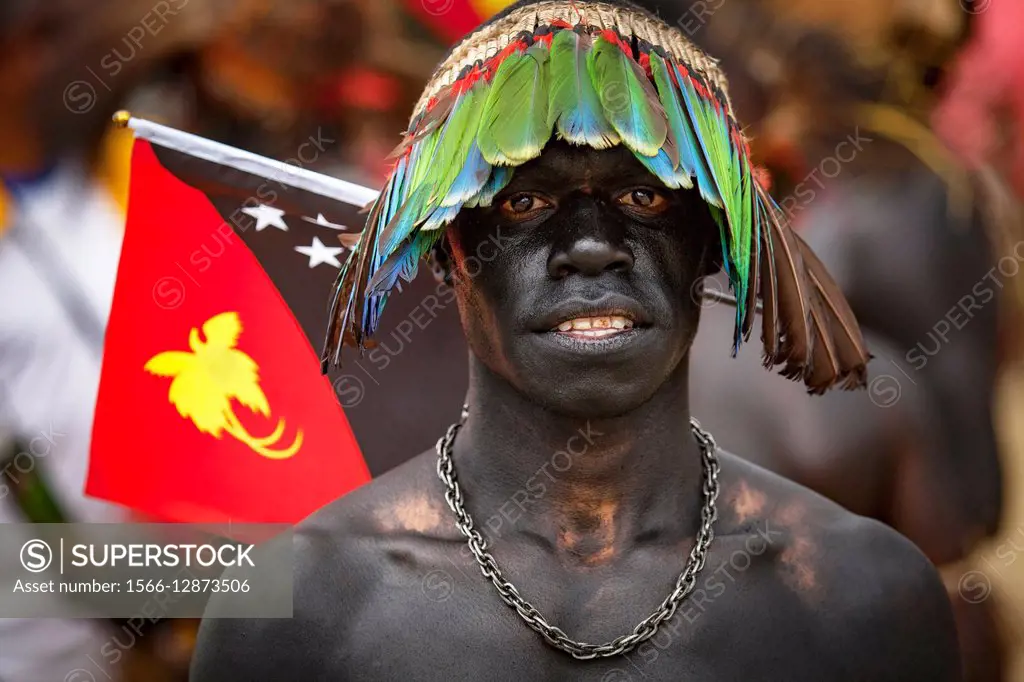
(216, 372)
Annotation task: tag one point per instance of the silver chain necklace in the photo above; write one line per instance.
(510, 595)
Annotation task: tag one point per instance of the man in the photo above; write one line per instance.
(575, 483)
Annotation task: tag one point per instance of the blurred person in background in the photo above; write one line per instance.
(278, 73)
(982, 116)
(64, 67)
(839, 97)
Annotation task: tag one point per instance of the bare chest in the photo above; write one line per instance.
(434, 616)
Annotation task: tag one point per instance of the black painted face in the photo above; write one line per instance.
(576, 285)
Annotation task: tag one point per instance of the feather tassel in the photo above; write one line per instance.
(791, 295)
(630, 102)
(837, 323)
(573, 105)
(513, 127)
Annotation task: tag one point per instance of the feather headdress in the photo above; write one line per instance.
(597, 74)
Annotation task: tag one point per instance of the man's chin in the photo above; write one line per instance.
(586, 402)
(595, 378)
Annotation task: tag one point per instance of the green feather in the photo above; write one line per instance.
(629, 100)
(458, 135)
(690, 160)
(573, 103)
(728, 172)
(513, 125)
(419, 162)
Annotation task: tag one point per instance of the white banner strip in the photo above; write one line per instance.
(248, 162)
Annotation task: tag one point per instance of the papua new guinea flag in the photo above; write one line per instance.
(212, 405)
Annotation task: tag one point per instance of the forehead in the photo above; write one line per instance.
(563, 164)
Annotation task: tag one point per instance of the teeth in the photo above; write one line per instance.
(596, 326)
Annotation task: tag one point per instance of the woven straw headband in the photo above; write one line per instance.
(490, 39)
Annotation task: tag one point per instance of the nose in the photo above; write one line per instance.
(590, 255)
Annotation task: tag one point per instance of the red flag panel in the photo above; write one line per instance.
(238, 382)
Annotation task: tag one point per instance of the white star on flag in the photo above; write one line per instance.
(319, 252)
(266, 215)
(324, 222)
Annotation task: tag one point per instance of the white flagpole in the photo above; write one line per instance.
(239, 159)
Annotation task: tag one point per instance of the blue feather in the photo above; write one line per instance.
(401, 227)
(500, 176)
(440, 217)
(705, 180)
(662, 167)
(402, 263)
(471, 179)
(395, 191)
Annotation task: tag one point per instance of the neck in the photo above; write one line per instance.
(587, 488)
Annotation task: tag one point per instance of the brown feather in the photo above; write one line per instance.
(350, 239)
(428, 124)
(824, 370)
(769, 300)
(793, 290)
(852, 353)
(335, 338)
(361, 274)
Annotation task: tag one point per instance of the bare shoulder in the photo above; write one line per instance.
(865, 585)
(341, 552)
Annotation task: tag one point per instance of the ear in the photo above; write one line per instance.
(440, 261)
